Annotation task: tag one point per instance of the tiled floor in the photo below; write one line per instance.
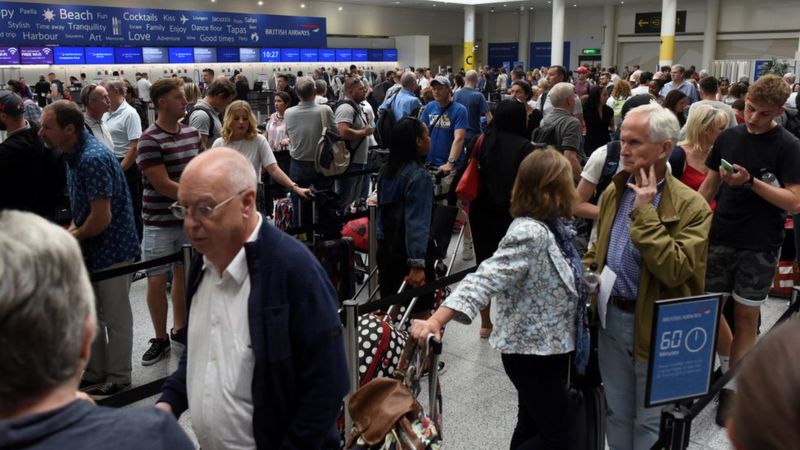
(479, 401)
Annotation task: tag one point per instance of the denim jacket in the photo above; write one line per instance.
(533, 288)
(413, 189)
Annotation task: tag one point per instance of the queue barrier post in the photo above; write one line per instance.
(351, 353)
(372, 248)
(186, 256)
(675, 428)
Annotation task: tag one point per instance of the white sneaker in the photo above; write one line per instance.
(468, 251)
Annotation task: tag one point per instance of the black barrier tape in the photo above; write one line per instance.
(134, 395)
(133, 268)
(405, 297)
(343, 219)
(365, 171)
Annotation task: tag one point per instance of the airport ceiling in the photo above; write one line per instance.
(484, 5)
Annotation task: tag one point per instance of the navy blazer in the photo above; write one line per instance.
(300, 375)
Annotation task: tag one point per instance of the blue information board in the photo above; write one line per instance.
(682, 349)
(290, 55)
(205, 55)
(41, 23)
(69, 55)
(309, 55)
(540, 54)
(225, 55)
(9, 55)
(126, 55)
(249, 55)
(359, 54)
(327, 55)
(270, 55)
(500, 53)
(181, 55)
(36, 55)
(390, 54)
(344, 55)
(155, 55)
(99, 55)
(374, 54)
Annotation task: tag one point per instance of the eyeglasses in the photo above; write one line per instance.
(200, 211)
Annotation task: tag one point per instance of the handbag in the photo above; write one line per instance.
(470, 183)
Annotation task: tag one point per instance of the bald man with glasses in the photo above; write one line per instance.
(264, 332)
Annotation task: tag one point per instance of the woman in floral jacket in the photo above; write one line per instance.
(535, 278)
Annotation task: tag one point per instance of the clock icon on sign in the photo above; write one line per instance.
(696, 339)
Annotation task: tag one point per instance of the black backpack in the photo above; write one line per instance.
(609, 169)
(355, 107)
(546, 135)
(211, 114)
(386, 122)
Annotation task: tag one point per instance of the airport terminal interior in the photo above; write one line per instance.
(92, 41)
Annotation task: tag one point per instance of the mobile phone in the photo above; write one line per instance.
(726, 165)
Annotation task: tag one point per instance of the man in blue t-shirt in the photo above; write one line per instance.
(475, 103)
(447, 122)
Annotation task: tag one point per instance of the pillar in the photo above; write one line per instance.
(557, 37)
(608, 58)
(710, 36)
(485, 38)
(669, 10)
(524, 39)
(469, 37)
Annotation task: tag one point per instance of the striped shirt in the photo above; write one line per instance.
(174, 151)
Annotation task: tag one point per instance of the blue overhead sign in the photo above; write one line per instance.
(41, 23)
(390, 54)
(327, 55)
(500, 53)
(124, 55)
(270, 55)
(682, 349)
(70, 55)
(309, 55)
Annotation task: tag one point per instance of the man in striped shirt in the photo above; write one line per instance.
(163, 151)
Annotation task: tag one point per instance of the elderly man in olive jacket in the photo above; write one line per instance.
(653, 234)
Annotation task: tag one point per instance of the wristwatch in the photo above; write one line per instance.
(451, 160)
(749, 183)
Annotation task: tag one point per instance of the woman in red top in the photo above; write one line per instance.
(688, 159)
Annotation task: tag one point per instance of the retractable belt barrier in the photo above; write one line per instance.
(676, 420)
(151, 388)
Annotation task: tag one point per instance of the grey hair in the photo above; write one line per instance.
(409, 81)
(87, 93)
(662, 125)
(679, 67)
(305, 88)
(560, 93)
(321, 87)
(45, 301)
(114, 85)
(471, 77)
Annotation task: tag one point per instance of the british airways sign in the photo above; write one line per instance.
(49, 24)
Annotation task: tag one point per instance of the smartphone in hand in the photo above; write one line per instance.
(726, 165)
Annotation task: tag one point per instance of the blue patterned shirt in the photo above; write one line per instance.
(94, 173)
(623, 257)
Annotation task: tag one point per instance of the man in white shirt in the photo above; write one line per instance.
(95, 99)
(143, 86)
(265, 364)
(125, 127)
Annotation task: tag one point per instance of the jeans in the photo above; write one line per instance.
(161, 241)
(630, 425)
(544, 419)
(349, 189)
(113, 345)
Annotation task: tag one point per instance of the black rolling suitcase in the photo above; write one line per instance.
(338, 259)
(588, 402)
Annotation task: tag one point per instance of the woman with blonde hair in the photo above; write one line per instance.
(240, 133)
(536, 280)
(688, 159)
(191, 91)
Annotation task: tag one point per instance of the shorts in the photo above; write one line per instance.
(746, 274)
(161, 241)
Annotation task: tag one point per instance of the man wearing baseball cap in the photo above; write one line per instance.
(582, 82)
(32, 178)
(447, 122)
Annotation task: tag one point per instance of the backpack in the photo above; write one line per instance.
(546, 135)
(211, 124)
(353, 105)
(331, 156)
(609, 169)
(386, 123)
